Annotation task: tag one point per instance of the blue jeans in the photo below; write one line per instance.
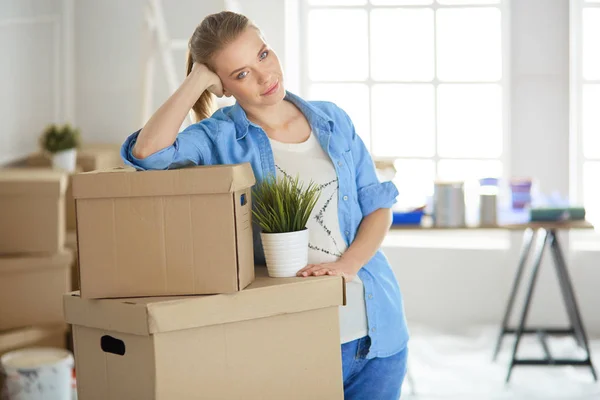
(374, 379)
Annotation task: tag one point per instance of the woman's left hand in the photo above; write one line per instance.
(341, 267)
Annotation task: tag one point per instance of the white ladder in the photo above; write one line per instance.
(160, 45)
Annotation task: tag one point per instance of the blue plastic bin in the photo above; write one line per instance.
(407, 218)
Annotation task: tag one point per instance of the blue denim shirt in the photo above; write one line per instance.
(228, 137)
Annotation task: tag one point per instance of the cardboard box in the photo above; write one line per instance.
(98, 156)
(34, 336)
(155, 233)
(90, 157)
(71, 243)
(32, 210)
(277, 339)
(31, 289)
(70, 216)
(39, 336)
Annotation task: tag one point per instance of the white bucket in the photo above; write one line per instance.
(285, 253)
(65, 160)
(42, 373)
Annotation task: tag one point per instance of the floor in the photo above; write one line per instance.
(460, 367)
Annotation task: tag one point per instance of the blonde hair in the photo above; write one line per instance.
(213, 33)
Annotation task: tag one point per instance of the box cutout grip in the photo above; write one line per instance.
(112, 345)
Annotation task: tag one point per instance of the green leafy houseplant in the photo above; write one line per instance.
(56, 138)
(284, 205)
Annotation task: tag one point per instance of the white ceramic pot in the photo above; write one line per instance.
(42, 373)
(65, 160)
(285, 253)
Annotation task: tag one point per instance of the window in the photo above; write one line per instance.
(585, 100)
(424, 82)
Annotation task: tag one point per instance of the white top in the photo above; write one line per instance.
(309, 162)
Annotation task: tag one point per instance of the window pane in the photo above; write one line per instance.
(414, 180)
(591, 191)
(402, 44)
(468, 2)
(338, 54)
(468, 170)
(591, 121)
(401, 2)
(352, 98)
(337, 2)
(470, 121)
(591, 43)
(468, 44)
(403, 120)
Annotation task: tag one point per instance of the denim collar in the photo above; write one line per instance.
(316, 118)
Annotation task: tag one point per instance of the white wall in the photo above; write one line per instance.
(34, 68)
(109, 52)
(110, 45)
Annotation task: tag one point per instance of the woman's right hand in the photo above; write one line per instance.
(212, 80)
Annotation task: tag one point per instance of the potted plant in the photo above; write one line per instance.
(282, 208)
(62, 143)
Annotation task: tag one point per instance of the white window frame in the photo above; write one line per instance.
(578, 240)
(496, 239)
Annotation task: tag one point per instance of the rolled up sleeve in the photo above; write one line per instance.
(372, 194)
(379, 195)
(190, 148)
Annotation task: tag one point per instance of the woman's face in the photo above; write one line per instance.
(250, 71)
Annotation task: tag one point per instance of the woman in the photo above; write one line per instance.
(279, 133)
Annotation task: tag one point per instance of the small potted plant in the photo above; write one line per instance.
(282, 209)
(62, 143)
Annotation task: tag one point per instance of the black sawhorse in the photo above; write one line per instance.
(544, 236)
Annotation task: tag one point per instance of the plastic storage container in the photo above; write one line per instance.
(407, 218)
(520, 193)
(488, 201)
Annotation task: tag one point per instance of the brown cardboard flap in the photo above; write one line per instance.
(71, 240)
(126, 182)
(265, 297)
(32, 181)
(119, 315)
(23, 263)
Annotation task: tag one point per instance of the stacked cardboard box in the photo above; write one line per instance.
(71, 244)
(155, 233)
(90, 157)
(34, 265)
(144, 240)
(32, 211)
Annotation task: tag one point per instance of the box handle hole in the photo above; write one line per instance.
(243, 200)
(112, 345)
